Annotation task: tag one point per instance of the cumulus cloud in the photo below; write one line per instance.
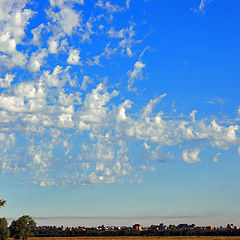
(74, 57)
(13, 20)
(6, 81)
(67, 19)
(136, 73)
(36, 32)
(37, 60)
(98, 147)
(53, 45)
(191, 155)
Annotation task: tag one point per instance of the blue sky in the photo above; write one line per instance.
(123, 109)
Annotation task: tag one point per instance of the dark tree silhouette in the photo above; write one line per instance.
(4, 231)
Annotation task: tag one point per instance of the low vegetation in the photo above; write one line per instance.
(140, 238)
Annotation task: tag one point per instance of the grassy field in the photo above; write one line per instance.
(138, 238)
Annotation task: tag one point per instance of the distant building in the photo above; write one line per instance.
(137, 227)
(210, 227)
(231, 226)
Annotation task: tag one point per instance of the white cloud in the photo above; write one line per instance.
(86, 80)
(88, 30)
(106, 131)
(106, 5)
(26, 90)
(13, 21)
(128, 3)
(7, 45)
(6, 81)
(148, 168)
(117, 34)
(216, 157)
(217, 100)
(14, 18)
(136, 73)
(53, 46)
(67, 123)
(12, 103)
(46, 183)
(10, 57)
(94, 109)
(37, 60)
(122, 110)
(191, 155)
(65, 120)
(74, 57)
(99, 167)
(57, 78)
(193, 114)
(147, 111)
(61, 3)
(128, 40)
(147, 147)
(67, 18)
(201, 6)
(36, 32)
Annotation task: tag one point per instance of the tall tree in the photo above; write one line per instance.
(21, 229)
(4, 231)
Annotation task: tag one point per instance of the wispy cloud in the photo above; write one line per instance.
(107, 5)
(202, 5)
(136, 73)
(216, 157)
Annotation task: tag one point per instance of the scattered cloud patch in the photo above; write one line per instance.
(148, 168)
(136, 73)
(6, 81)
(202, 5)
(216, 157)
(37, 60)
(74, 57)
(191, 155)
(107, 5)
(65, 115)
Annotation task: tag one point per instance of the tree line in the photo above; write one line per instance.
(25, 227)
(53, 231)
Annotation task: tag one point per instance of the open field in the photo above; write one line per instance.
(139, 238)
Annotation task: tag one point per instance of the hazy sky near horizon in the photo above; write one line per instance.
(120, 108)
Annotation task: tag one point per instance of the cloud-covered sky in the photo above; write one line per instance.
(96, 92)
